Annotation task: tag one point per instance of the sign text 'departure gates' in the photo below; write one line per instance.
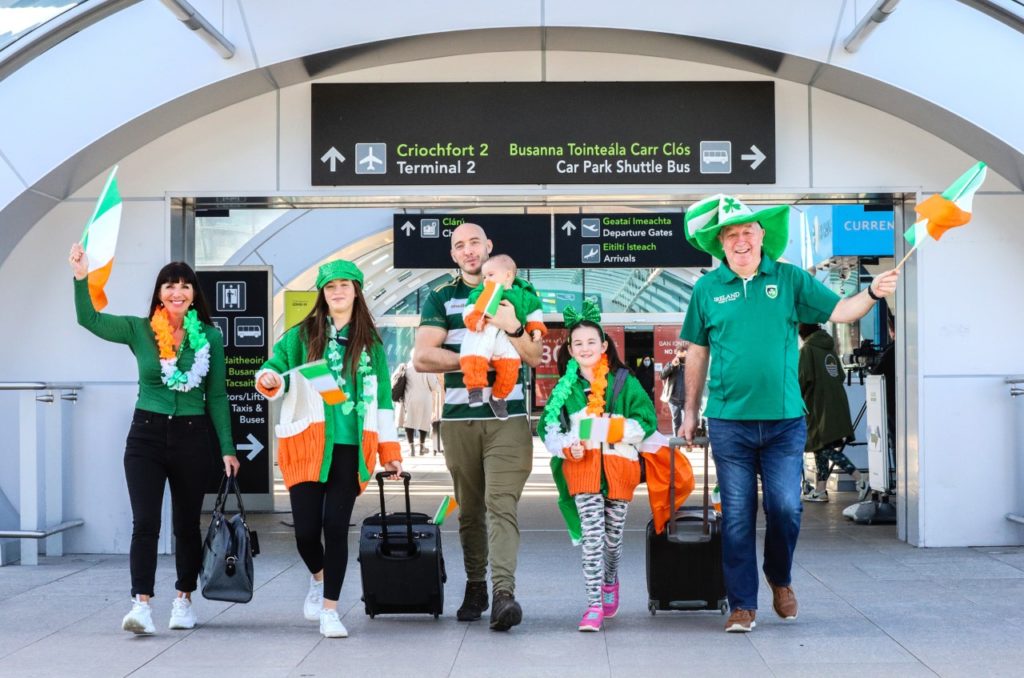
(543, 133)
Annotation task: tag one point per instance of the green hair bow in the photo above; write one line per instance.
(590, 312)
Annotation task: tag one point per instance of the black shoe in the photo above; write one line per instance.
(506, 612)
(474, 603)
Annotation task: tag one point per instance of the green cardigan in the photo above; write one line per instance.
(290, 352)
(210, 398)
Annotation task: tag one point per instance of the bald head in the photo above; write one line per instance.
(467, 229)
(470, 248)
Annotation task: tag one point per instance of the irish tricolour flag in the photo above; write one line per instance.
(948, 209)
(444, 509)
(489, 299)
(319, 376)
(100, 239)
(604, 429)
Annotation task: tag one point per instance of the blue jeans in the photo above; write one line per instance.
(743, 450)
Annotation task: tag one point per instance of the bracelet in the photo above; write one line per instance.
(518, 333)
(872, 294)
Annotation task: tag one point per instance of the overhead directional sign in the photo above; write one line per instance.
(543, 133)
(424, 240)
(629, 240)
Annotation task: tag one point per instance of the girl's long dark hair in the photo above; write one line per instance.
(614, 362)
(362, 333)
(180, 272)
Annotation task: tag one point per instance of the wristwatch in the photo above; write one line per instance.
(871, 293)
(518, 333)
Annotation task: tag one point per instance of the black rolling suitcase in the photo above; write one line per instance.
(401, 561)
(684, 562)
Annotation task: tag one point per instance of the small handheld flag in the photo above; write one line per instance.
(445, 509)
(946, 210)
(100, 238)
(320, 377)
(605, 429)
(490, 298)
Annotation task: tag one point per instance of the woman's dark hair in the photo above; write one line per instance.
(614, 362)
(180, 272)
(362, 333)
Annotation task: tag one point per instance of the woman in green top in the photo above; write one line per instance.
(326, 459)
(180, 355)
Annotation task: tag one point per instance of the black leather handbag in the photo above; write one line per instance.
(228, 551)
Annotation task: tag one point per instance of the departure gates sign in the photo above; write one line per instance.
(543, 133)
(629, 240)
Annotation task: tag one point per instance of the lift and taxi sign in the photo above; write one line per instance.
(543, 133)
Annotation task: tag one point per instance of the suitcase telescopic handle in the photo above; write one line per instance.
(674, 444)
(406, 477)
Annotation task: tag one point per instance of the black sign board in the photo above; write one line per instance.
(239, 300)
(543, 133)
(629, 240)
(424, 240)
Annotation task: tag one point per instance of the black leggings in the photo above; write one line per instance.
(176, 450)
(325, 508)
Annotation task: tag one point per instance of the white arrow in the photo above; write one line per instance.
(757, 156)
(334, 156)
(568, 227)
(408, 228)
(253, 446)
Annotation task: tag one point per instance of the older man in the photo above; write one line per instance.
(744, 315)
(489, 459)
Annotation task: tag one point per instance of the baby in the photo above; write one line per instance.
(485, 346)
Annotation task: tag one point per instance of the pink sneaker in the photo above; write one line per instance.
(610, 599)
(592, 619)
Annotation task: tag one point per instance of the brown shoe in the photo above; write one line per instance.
(741, 621)
(783, 600)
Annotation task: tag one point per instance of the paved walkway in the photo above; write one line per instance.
(870, 605)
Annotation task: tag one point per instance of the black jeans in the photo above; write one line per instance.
(176, 450)
(325, 508)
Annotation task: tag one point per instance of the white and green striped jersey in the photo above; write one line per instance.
(443, 308)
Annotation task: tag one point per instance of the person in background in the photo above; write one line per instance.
(644, 373)
(415, 413)
(674, 373)
(822, 384)
(180, 356)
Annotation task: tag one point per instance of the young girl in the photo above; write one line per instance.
(594, 458)
(323, 488)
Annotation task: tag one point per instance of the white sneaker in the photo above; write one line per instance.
(314, 600)
(817, 497)
(140, 619)
(182, 614)
(863, 489)
(331, 626)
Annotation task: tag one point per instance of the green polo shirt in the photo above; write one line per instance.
(751, 330)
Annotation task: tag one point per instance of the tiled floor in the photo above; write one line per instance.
(870, 605)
